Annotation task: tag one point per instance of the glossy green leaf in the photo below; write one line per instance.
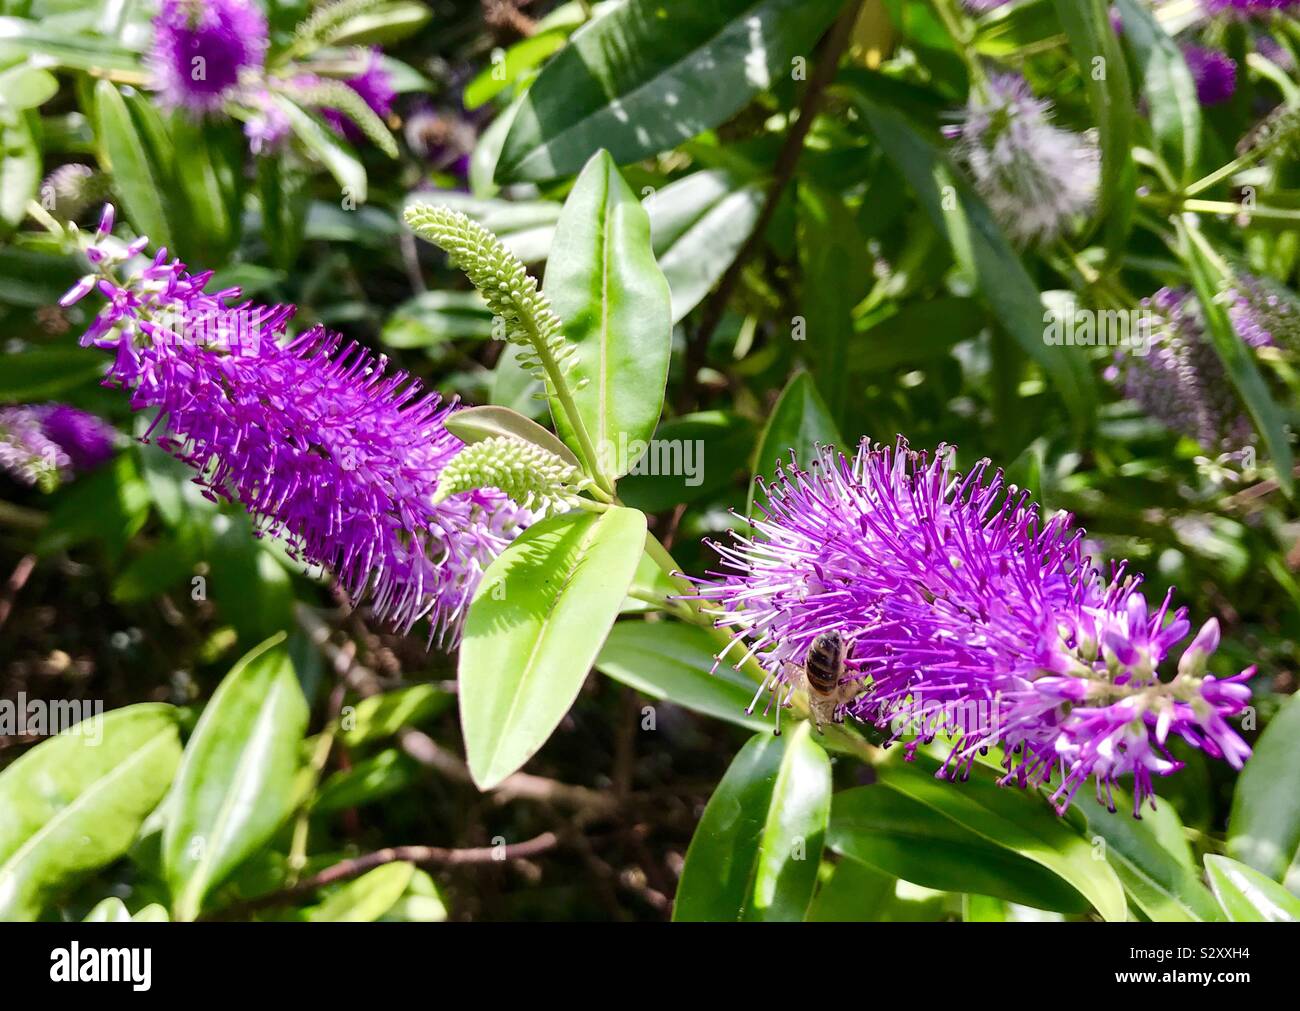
(136, 178)
(983, 249)
(697, 226)
(799, 422)
(1105, 76)
(755, 853)
(1264, 830)
(508, 65)
(27, 87)
(853, 893)
(367, 781)
(64, 49)
(332, 152)
(1168, 86)
(672, 661)
(1161, 884)
(1247, 896)
(603, 282)
(20, 163)
(381, 716)
(653, 73)
(693, 456)
(474, 424)
(432, 317)
(420, 903)
(75, 802)
(110, 910)
(366, 898)
(537, 621)
(883, 828)
(235, 785)
(1021, 822)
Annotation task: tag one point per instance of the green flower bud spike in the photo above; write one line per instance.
(513, 297)
(527, 473)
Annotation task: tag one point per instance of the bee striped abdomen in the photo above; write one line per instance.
(824, 665)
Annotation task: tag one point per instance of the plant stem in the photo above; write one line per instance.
(1220, 174)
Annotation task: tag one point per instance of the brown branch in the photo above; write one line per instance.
(354, 867)
(837, 40)
(13, 586)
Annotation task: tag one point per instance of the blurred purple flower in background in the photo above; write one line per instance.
(984, 6)
(321, 442)
(1180, 381)
(1035, 177)
(45, 444)
(1215, 74)
(968, 613)
(1249, 8)
(1264, 314)
(375, 86)
(442, 138)
(200, 50)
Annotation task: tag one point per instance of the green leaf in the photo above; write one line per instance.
(1264, 829)
(36, 375)
(755, 853)
(603, 282)
(669, 660)
(854, 893)
(916, 332)
(697, 226)
(799, 422)
(1247, 896)
(75, 802)
(61, 48)
(537, 621)
(110, 910)
(136, 178)
(837, 274)
(367, 898)
(884, 828)
(653, 73)
(332, 152)
(1209, 276)
(509, 65)
(1168, 86)
(382, 716)
(1105, 76)
(235, 785)
(474, 424)
(26, 87)
(432, 317)
(420, 903)
(693, 456)
(20, 163)
(1164, 887)
(367, 781)
(1020, 822)
(981, 247)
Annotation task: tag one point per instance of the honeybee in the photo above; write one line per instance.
(823, 676)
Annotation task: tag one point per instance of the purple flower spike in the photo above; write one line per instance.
(966, 613)
(320, 441)
(200, 49)
(1215, 74)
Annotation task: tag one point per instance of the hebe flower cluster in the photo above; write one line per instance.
(1035, 177)
(956, 596)
(320, 441)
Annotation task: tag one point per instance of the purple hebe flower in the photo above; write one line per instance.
(967, 613)
(1180, 381)
(45, 444)
(200, 49)
(1035, 177)
(321, 442)
(1215, 74)
(442, 138)
(375, 86)
(1249, 8)
(1264, 314)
